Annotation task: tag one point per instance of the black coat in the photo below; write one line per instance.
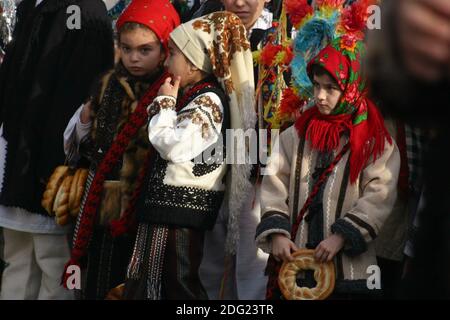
(46, 75)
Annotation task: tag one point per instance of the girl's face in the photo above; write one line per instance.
(178, 65)
(140, 51)
(326, 93)
(247, 10)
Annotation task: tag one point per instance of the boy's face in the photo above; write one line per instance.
(247, 10)
(178, 65)
(326, 93)
(140, 51)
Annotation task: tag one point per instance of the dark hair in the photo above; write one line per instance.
(130, 26)
(318, 70)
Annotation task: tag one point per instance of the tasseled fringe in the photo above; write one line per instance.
(324, 135)
(153, 289)
(239, 185)
(367, 139)
(134, 267)
(153, 256)
(156, 262)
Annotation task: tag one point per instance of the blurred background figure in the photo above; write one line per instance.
(410, 72)
(115, 9)
(7, 21)
(46, 74)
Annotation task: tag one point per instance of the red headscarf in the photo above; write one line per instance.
(355, 113)
(159, 15)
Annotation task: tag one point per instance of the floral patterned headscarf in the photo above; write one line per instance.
(354, 114)
(217, 44)
(345, 68)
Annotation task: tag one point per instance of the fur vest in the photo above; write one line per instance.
(117, 98)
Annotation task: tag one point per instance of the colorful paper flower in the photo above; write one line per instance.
(348, 42)
(269, 53)
(297, 11)
(290, 104)
(354, 17)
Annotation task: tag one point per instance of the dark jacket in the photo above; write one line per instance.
(46, 75)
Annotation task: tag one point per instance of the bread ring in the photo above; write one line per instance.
(52, 188)
(62, 220)
(324, 275)
(61, 204)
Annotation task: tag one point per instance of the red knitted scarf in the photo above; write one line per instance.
(323, 131)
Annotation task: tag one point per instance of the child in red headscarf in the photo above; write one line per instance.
(333, 179)
(109, 131)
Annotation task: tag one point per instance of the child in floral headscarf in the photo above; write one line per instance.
(334, 176)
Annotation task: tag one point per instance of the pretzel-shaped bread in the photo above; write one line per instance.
(304, 260)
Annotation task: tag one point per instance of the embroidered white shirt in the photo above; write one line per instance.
(182, 137)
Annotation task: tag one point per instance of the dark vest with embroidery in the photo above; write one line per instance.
(180, 206)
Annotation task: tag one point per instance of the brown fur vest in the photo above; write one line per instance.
(118, 96)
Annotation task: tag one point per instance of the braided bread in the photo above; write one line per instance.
(55, 181)
(304, 260)
(61, 204)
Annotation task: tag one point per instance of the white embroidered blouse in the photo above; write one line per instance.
(182, 137)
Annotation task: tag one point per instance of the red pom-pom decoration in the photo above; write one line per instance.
(354, 17)
(290, 104)
(297, 10)
(268, 54)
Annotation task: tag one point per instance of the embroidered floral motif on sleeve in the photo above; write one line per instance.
(196, 117)
(205, 113)
(158, 104)
(206, 101)
(166, 103)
